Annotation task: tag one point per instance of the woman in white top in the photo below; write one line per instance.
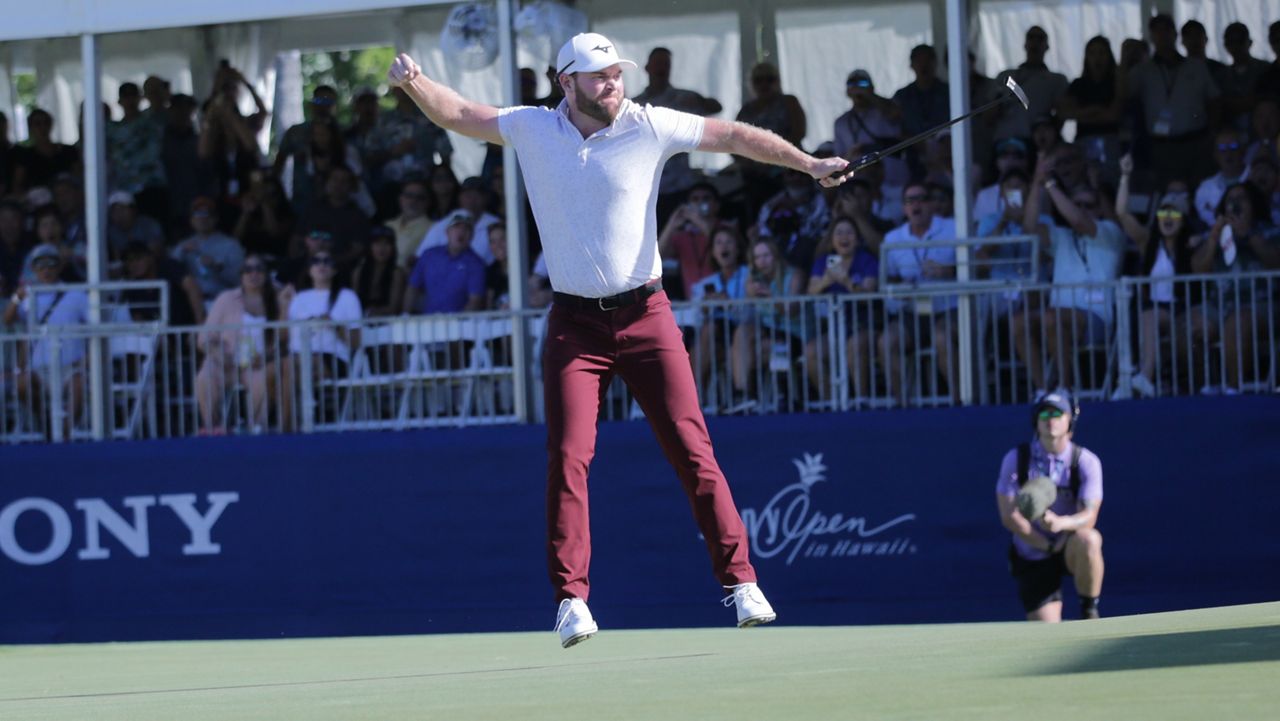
(239, 348)
(333, 331)
(1165, 249)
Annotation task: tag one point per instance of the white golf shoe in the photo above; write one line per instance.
(753, 607)
(574, 622)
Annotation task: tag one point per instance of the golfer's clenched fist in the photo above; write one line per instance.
(403, 70)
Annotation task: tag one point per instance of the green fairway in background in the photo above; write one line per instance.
(1206, 665)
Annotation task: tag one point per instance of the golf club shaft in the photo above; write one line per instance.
(873, 158)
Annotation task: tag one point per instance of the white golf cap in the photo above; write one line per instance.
(587, 53)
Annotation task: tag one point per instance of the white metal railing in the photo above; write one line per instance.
(896, 348)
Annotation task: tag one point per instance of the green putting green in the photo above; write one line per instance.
(1221, 663)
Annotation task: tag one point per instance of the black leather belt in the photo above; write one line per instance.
(613, 302)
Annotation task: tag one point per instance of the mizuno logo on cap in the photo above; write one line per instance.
(603, 48)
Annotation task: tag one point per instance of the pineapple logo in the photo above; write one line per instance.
(790, 526)
(811, 469)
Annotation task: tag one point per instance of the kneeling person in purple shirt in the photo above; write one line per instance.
(448, 278)
(1064, 540)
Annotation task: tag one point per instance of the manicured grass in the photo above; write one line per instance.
(1219, 663)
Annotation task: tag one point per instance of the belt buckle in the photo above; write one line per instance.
(600, 302)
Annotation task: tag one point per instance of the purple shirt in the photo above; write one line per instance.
(1058, 468)
(447, 281)
(865, 265)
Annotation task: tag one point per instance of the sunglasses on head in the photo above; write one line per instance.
(1048, 413)
(322, 260)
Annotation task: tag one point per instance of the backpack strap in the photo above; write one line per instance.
(1024, 463)
(1075, 472)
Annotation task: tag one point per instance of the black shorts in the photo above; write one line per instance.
(1039, 582)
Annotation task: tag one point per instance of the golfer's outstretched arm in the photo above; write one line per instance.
(727, 136)
(444, 106)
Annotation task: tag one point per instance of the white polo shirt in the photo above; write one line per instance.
(594, 199)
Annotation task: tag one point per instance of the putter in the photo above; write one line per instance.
(1015, 93)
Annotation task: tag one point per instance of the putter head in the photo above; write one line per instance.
(1017, 92)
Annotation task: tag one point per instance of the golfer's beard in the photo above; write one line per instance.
(594, 109)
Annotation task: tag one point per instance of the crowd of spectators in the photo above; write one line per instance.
(370, 220)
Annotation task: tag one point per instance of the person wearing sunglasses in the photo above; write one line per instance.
(778, 112)
(1242, 240)
(930, 320)
(332, 334)
(1229, 153)
(1064, 539)
(239, 350)
(1165, 247)
(35, 360)
(873, 123)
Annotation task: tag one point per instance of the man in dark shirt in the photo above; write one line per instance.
(185, 302)
(337, 213)
(42, 160)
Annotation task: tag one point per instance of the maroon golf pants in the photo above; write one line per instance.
(584, 349)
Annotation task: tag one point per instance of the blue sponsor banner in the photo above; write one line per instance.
(883, 517)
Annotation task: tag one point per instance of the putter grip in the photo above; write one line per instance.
(864, 161)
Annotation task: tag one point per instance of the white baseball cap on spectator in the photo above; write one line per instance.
(587, 53)
(44, 250)
(460, 216)
(120, 197)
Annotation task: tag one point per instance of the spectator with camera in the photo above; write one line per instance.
(845, 265)
(228, 143)
(1241, 240)
(687, 235)
(1048, 494)
(1087, 252)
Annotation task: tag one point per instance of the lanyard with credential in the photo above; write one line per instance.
(1082, 249)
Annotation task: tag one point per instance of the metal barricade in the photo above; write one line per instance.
(893, 349)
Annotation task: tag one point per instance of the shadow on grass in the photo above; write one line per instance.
(1167, 650)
